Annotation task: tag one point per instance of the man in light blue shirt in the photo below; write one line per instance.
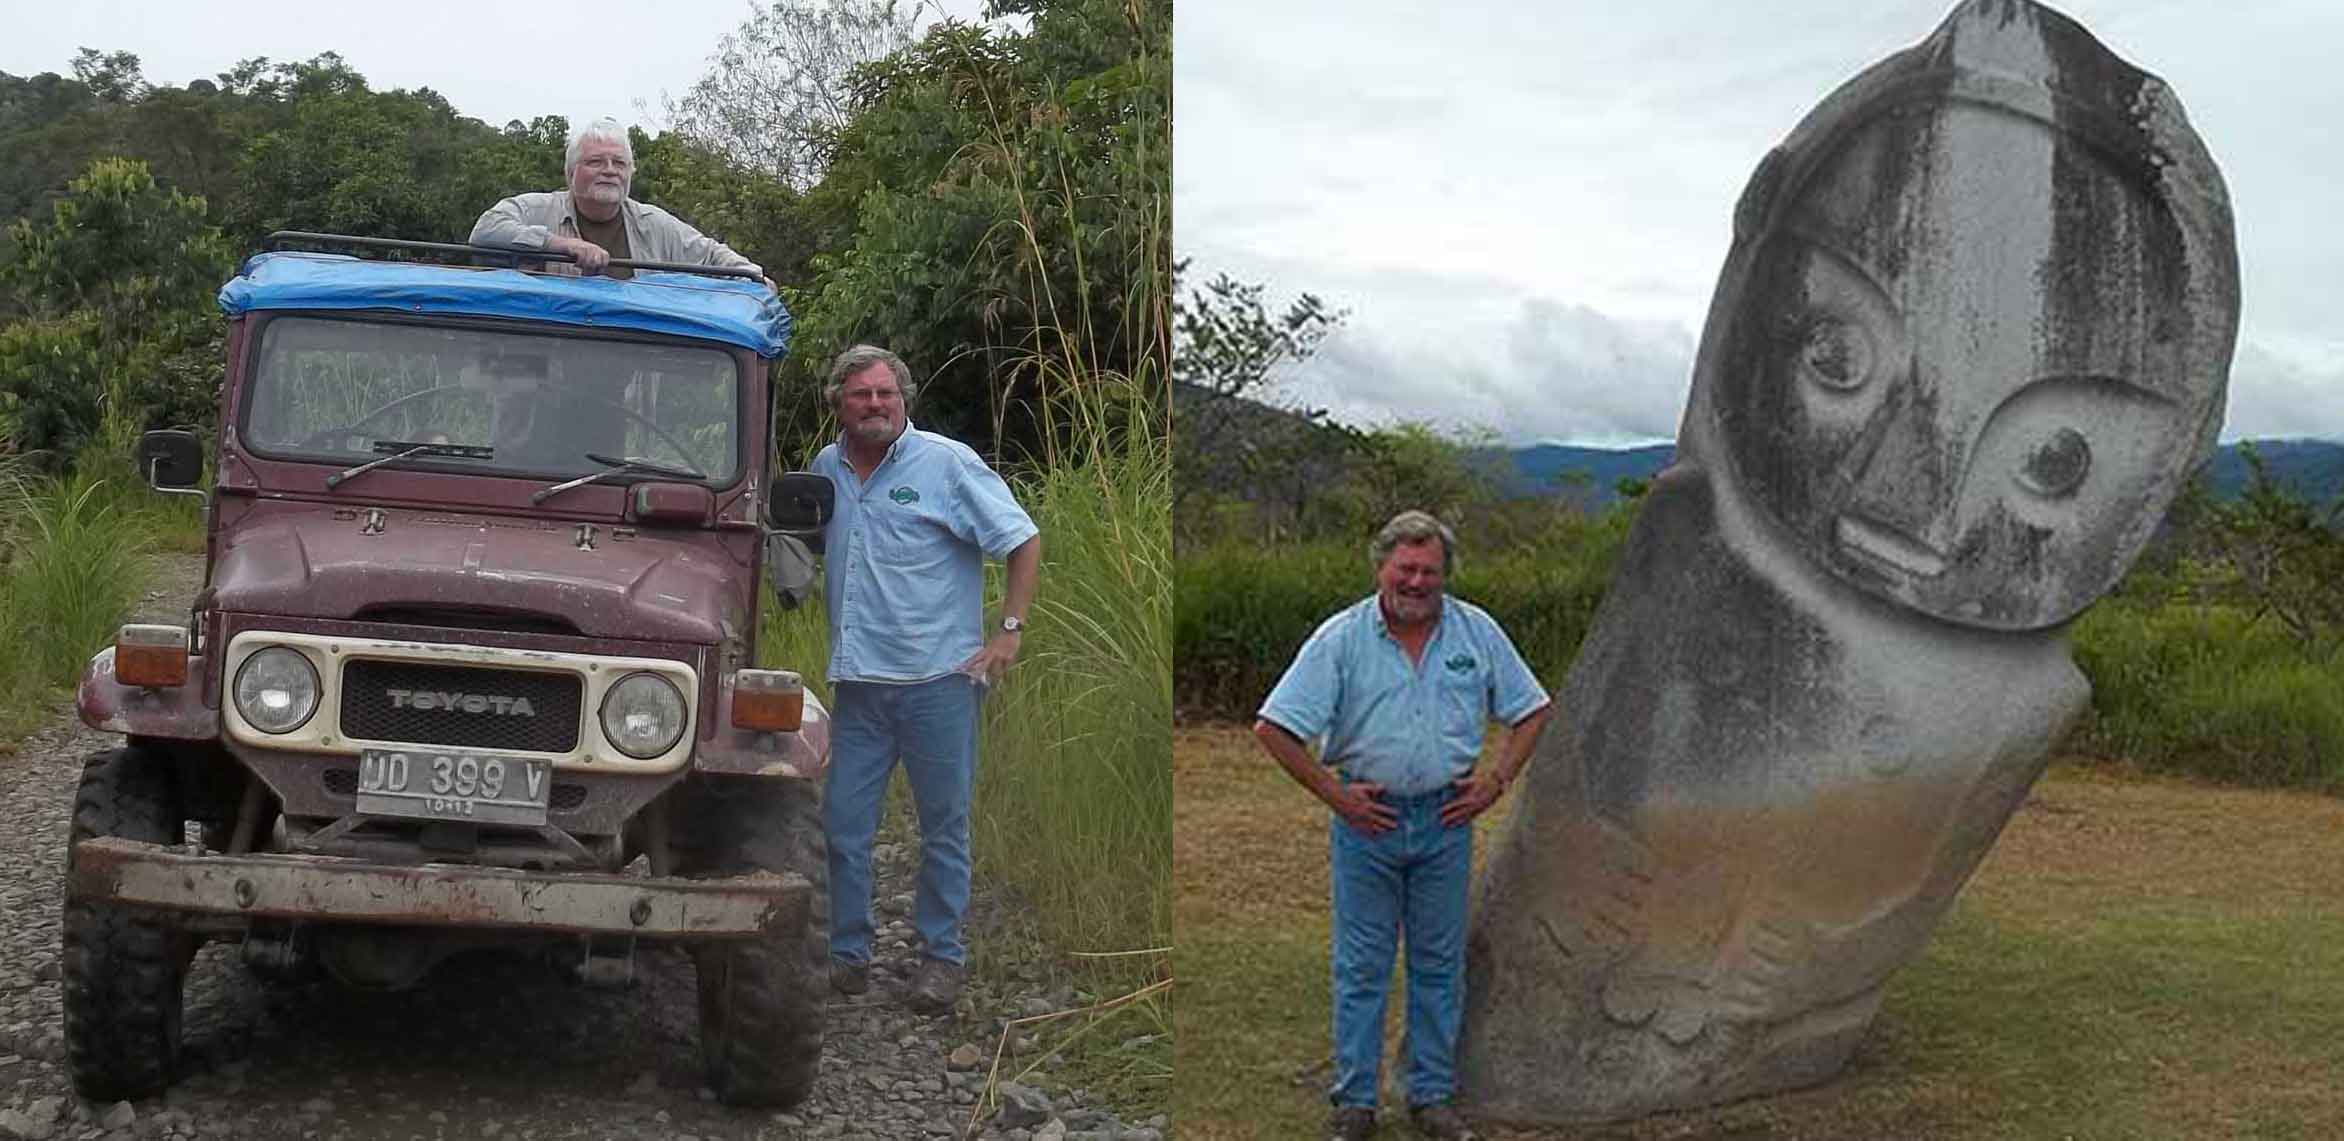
(904, 556)
(1398, 690)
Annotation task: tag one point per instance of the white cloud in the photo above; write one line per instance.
(1554, 371)
(2276, 394)
(1557, 182)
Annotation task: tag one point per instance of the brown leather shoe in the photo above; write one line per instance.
(1351, 1123)
(935, 986)
(1442, 1121)
(849, 978)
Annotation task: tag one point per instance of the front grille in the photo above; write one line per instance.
(369, 713)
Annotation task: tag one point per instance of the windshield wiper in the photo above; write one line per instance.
(614, 465)
(408, 449)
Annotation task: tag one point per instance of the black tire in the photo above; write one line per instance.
(760, 1000)
(124, 968)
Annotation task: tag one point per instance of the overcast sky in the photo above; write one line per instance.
(1524, 205)
(496, 62)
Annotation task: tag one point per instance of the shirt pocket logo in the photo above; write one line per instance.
(1461, 707)
(904, 494)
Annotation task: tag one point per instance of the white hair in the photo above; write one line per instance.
(606, 129)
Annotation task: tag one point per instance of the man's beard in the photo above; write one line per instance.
(874, 430)
(1414, 608)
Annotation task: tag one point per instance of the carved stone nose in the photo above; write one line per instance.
(1899, 506)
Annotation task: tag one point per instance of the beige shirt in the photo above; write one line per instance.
(653, 234)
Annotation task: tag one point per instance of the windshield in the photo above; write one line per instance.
(332, 390)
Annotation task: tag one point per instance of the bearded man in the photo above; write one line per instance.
(917, 514)
(1398, 689)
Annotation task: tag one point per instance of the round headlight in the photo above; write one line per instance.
(643, 715)
(276, 690)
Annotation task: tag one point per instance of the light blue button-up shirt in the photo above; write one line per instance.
(904, 557)
(1410, 726)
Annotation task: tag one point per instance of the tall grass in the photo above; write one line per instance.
(1077, 793)
(70, 572)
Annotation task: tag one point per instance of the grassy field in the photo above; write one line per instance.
(2138, 958)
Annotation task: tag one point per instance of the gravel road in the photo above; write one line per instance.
(489, 1046)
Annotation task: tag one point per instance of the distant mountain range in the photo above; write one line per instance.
(2313, 468)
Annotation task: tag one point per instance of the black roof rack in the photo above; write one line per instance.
(493, 255)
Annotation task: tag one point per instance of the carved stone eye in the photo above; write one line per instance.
(1837, 354)
(2057, 465)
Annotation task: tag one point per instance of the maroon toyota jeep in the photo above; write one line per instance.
(474, 663)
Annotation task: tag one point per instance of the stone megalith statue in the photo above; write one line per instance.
(1971, 337)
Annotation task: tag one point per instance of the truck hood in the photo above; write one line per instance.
(327, 563)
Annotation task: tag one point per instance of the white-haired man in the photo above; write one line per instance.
(594, 220)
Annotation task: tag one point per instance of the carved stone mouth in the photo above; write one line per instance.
(1892, 547)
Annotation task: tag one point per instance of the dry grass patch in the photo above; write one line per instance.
(2139, 957)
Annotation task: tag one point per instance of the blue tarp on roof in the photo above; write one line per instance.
(730, 310)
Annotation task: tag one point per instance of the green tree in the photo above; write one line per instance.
(1236, 438)
(342, 158)
(1411, 466)
(113, 77)
(757, 215)
(997, 212)
(2285, 555)
(118, 286)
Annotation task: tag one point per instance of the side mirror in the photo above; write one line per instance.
(171, 458)
(800, 504)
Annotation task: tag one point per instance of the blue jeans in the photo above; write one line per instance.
(1410, 879)
(932, 727)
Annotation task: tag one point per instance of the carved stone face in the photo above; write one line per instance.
(1969, 359)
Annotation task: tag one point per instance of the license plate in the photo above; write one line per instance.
(453, 786)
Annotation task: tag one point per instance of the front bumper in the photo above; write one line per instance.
(343, 890)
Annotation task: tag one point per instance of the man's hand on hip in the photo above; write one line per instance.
(1360, 806)
(1476, 791)
(988, 664)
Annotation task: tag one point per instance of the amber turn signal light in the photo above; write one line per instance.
(150, 656)
(771, 701)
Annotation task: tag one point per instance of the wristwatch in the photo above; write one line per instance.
(1011, 624)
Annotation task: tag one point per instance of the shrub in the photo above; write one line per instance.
(2210, 692)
